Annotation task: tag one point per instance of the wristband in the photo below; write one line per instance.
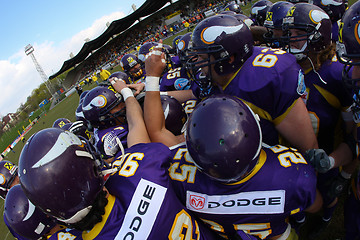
(164, 93)
(126, 92)
(152, 84)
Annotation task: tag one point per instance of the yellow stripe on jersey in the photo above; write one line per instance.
(99, 226)
(280, 118)
(295, 211)
(330, 98)
(259, 111)
(261, 161)
(227, 84)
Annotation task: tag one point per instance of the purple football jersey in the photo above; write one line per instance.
(66, 234)
(15, 234)
(108, 228)
(280, 184)
(326, 98)
(150, 206)
(270, 81)
(175, 79)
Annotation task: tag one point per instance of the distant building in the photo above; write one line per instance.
(7, 120)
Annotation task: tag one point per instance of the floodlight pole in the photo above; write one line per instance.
(29, 51)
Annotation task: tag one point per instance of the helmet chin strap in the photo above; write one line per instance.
(299, 55)
(313, 68)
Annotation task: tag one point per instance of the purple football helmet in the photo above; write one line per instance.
(298, 1)
(83, 94)
(145, 49)
(60, 122)
(121, 75)
(334, 8)
(183, 46)
(220, 36)
(60, 174)
(175, 42)
(274, 21)
(245, 19)
(228, 146)
(23, 217)
(234, 7)
(258, 11)
(8, 173)
(79, 115)
(98, 104)
(316, 25)
(348, 48)
(175, 116)
(131, 65)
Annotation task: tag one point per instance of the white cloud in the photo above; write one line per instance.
(18, 75)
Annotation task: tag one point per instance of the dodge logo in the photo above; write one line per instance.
(197, 202)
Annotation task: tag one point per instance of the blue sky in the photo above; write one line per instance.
(55, 29)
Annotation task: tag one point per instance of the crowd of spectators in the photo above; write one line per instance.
(149, 30)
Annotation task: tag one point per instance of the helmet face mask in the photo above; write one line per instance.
(274, 21)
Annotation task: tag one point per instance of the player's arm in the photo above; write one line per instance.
(134, 115)
(182, 95)
(296, 128)
(153, 112)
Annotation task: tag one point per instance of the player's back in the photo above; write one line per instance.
(152, 208)
(280, 184)
(270, 81)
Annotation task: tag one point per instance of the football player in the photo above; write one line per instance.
(222, 170)
(132, 66)
(141, 203)
(26, 219)
(274, 21)
(258, 11)
(308, 31)
(268, 80)
(335, 9)
(8, 179)
(348, 50)
(104, 109)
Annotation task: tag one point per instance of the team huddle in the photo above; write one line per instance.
(238, 131)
